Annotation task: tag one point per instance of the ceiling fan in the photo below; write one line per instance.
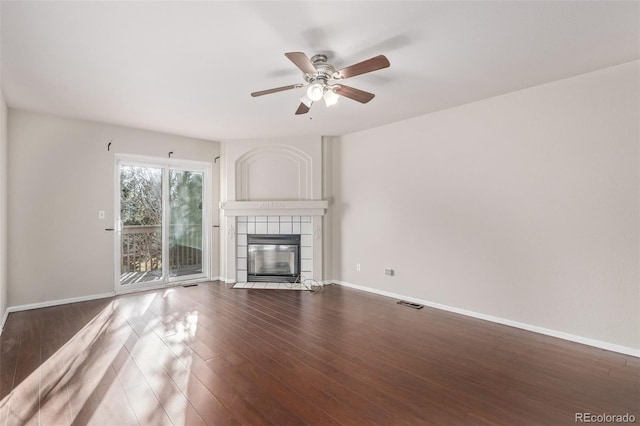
(324, 82)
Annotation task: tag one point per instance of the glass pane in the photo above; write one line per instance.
(185, 226)
(141, 215)
(267, 259)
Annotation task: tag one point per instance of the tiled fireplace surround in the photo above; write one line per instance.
(272, 187)
(275, 225)
(274, 217)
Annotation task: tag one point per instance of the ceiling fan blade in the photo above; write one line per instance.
(373, 64)
(303, 109)
(275, 90)
(353, 93)
(301, 61)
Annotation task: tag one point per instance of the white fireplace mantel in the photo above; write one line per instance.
(275, 208)
(277, 183)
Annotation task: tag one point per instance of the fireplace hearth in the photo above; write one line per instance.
(273, 258)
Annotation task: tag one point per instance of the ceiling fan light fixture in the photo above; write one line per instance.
(330, 97)
(305, 100)
(315, 91)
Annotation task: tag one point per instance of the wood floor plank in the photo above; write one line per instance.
(476, 353)
(107, 404)
(53, 408)
(210, 354)
(178, 366)
(269, 407)
(352, 376)
(372, 411)
(266, 367)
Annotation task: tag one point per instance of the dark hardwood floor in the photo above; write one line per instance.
(214, 355)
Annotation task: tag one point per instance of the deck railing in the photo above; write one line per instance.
(141, 249)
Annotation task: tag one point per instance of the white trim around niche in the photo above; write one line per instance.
(301, 159)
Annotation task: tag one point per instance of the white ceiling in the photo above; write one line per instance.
(188, 67)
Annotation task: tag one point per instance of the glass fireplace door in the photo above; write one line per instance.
(273, 258)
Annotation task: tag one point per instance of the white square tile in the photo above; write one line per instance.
(251, 219)
(261, 218)
(242, 227)
(273, 219)
(273, 228)
(242, 239)
(295, 229)
(251, 228)
(242, 251)
(295, 218)
(242, 219)
(272, 285)
(305, 219)
(242, 276)
(305, 265)
(305, 252)
(259, 285)
(305, 240)
(261, 227)
(285, 219)
(285, 228)
(305, 228)
(242, 263)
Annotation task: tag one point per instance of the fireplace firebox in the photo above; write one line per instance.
(273, 258)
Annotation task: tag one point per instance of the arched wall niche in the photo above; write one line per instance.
(274, 172)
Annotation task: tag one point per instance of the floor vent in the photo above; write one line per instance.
(410, 304)
(190, 285)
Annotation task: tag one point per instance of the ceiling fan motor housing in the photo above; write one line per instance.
(324, 71)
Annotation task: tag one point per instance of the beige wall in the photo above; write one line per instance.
(3, 209)
(60, 176)
(3, 203)
(523, 206)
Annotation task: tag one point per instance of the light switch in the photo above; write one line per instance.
(101, 214)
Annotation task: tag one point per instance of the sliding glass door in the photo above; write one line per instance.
(162, 228)
(140, 224)
(186, 222)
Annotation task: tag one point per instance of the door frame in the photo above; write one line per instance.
(166, 164)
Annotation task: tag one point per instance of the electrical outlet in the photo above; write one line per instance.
(389, 271)
(100, 214)
(358, 267)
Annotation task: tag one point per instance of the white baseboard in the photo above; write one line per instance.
(59, 302)
(50, 303)
(546, 331)
(4, 319)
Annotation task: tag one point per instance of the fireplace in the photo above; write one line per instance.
(273, 258)
(246, 219)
